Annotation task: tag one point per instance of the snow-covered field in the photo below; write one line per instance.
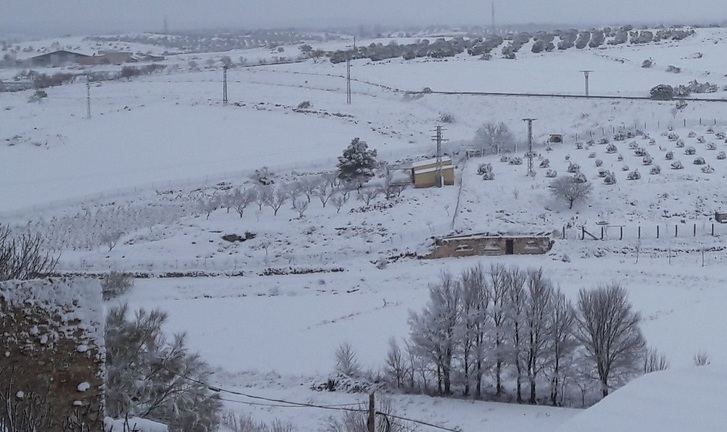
(156, 144)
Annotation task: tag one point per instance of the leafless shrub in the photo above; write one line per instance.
(116, 284)
(356, 421)
(245, 423)
(655, 361)
(23, 256)
(701, 359)
(369, 194)
(22, 412)
(347, 360)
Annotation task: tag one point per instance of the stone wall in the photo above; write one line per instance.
(52, 351)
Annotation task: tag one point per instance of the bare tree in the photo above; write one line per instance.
(324, 191)
(570, 190)
(368, 194)
(537, 322)
(338, 202)
(347, 360)
(609, 331)
(493, 137)
(111, 238)
(498, 293)
(263, 194)
(433, 331)
(24, 256)
(562, 342)
(473, 326)
(309, 186)
(392, 188)
(277, 198)
(396, 368)
(516, 300)
(239, 200)
(300, 206)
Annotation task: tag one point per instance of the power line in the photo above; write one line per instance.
(290, 404)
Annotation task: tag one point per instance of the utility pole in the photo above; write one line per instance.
(494, 25)
(587, 75)
(348, 80)
(371, 421)
(166, 27)
(224, 84)
(439, 139)
(531, 154)
(88, 97)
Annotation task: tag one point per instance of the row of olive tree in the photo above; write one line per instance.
(489, 323)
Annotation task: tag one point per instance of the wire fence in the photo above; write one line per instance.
(653, 231)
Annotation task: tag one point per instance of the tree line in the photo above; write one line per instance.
(507, 324)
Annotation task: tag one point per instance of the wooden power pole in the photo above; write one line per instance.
(224, 84)
(371, 421)
(88, 97)
(348, 81)
(439, 139)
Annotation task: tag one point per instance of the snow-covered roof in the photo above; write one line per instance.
(477, 236)
(445, 159)
(433, 169)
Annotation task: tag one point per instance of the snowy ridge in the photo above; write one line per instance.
(671, 401)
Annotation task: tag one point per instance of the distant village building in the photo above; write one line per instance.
(63, 58)
(13, 86)
(56, 59)
(425, 173)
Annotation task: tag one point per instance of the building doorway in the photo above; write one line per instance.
(509, 247)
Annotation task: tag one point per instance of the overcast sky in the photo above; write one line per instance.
(84, 16)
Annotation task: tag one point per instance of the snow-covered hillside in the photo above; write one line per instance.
(141, 187)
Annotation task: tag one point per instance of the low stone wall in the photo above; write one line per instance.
(52, 351)
(477, 245)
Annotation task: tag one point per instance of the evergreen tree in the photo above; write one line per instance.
(357, 164)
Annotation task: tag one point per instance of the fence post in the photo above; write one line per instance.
(657, 231)
(712, 230)
(563, 232)
(601, 232)
(676, 231)
(622, 233)
(639, 232)
(700, 121)
(685, 122)
(583, 232)
(695, 230)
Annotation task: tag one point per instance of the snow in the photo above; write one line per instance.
(671, 401)
(157, 144)
(83, 387)
(136, 424)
